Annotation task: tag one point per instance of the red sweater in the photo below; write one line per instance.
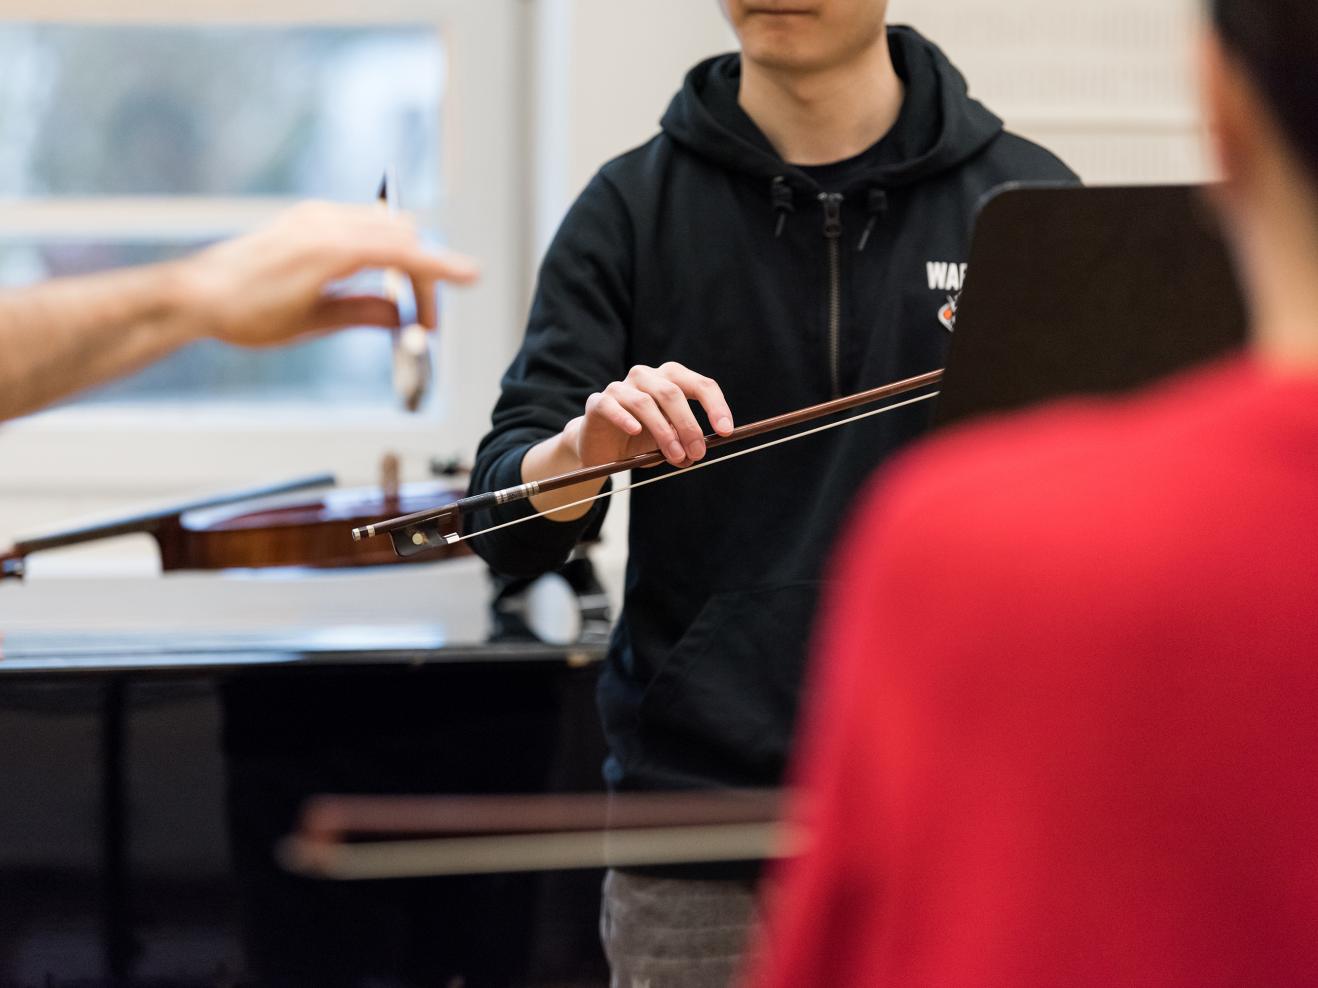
(1065, 727)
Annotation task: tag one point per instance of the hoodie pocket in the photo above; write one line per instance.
(725, 698)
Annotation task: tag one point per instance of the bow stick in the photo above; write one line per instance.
(422, 530)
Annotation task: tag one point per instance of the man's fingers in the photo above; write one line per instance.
(440, 265)
(353, 238)
(606, 406)
(368, 237)
(398, 248)
(672, 400)
(657, 401)
(646, 410)
(423, 267)
(705, 390)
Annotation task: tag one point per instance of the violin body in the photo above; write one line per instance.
(315, 532)
(280, 525)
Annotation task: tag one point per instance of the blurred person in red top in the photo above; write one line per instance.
(1065, 726)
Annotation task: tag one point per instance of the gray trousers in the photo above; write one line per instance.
(675, 932)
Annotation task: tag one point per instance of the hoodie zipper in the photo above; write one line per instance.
(832, 203)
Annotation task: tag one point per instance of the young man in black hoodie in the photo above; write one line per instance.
(797, 231)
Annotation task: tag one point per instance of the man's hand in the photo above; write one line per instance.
(268, 288)
(648, 410)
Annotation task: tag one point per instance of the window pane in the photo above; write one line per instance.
(219, 111)
(348, 368)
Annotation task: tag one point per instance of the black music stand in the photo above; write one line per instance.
(1087, 291)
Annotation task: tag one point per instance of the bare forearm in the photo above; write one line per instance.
(548, 459)
(70, 334)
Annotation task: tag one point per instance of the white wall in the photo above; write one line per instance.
(620, 61)
(630, 58)
(1109, 86)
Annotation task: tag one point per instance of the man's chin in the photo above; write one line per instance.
(781, 55)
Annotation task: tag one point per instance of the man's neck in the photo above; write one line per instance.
(821, 117)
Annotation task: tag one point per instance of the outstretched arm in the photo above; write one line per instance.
(263, 289)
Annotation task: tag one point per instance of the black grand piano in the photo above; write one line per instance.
(159, 735)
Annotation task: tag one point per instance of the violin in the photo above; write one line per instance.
(275, 525)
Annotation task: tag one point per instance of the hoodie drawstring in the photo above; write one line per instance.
(876, 205)
(783, 203)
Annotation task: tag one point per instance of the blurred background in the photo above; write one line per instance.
(136, 130)
(139, 129)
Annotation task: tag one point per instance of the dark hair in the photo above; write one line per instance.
(1277, 43)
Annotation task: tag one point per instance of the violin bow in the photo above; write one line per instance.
(422, 530)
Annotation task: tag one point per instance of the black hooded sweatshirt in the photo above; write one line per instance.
(788, 286)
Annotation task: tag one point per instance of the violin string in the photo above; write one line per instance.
(680, 471)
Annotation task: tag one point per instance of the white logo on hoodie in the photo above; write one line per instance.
(945, 276)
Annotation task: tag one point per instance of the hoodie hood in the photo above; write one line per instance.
(939, 126)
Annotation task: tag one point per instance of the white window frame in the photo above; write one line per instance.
(136, 451)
